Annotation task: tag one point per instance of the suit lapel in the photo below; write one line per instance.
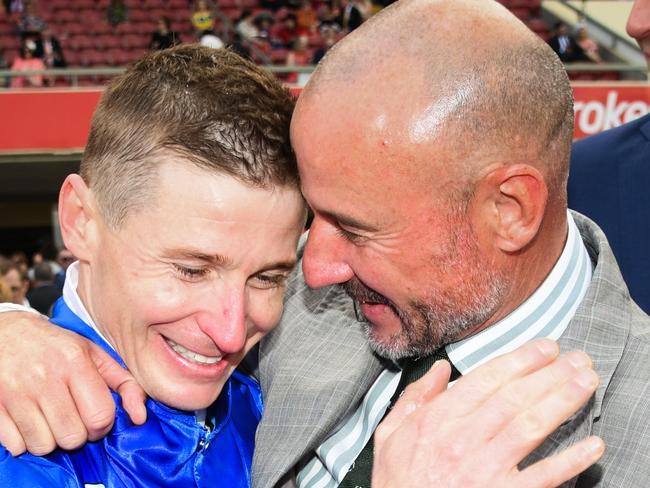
(600, 327)
(314, 368)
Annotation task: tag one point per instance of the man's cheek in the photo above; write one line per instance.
(266, 313)
(165, 305)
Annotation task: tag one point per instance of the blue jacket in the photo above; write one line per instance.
(171, 449)
(609, 181)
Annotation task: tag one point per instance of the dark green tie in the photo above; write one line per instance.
(412, 370)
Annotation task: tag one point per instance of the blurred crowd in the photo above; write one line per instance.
(281, 32)
(576, 47)
(36, 283)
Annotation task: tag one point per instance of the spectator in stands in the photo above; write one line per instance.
(306, 18)
(208, 38)
(117, 12)
(240, 46)
(609, 181)
(27, 61)
(43, 292)
(64, 259)
(264, 24)
(351, 16)
(329, 35)
(20, 259)
(288, 33)
(14, 6)
(4, 82)
(565, 45)
(164, 37)
(16, 280)
(202, 18)
(31, 24)
(298, 56)
(5, 291)
(273, 5)
(588, 45)
(49, 50)
(327, 18)
(246, 25)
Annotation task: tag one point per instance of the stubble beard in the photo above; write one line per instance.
(444, 316)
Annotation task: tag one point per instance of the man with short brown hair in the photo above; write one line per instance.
(185, 220)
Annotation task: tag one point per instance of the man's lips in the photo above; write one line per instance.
(192, 355)
(374, 311)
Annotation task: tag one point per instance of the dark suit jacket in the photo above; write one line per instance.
(43, 297)
(609, 181)
(59, 58)
(353, 21)
(573, 54)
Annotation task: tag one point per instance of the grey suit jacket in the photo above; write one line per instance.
(317, 366)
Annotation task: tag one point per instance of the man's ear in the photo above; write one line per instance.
(514, 200)
(77, 217)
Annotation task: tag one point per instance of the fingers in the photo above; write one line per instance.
(10, 435)
(562, 467)
(518, 396)
(476, 387)
(63, 419)
(33, 427)
(529, 428)
(120, 381)
(133, 401)
(417, 393)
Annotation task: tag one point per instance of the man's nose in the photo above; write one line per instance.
(324, 259)
(638, 24)
(226, 323)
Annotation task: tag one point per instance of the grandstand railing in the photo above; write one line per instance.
(74, 74)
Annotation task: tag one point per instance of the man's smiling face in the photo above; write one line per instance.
(188, 284)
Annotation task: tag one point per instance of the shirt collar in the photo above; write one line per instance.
(73, 301)
(546, 313)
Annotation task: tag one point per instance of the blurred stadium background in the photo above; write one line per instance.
(55, 56)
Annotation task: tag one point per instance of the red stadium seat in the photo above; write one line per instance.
(9, 42)
(107, 41)
(72, 57)
(103, 28)
(139, 15)
(97, 58)
(120, 57)
(7, 28)
(127, 28)
(59, 4)
(279, 56)
(74, 28)
(82, 42)
(65, 16)
(150, 4)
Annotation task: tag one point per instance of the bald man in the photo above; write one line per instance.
(610, 177)
(438, 184)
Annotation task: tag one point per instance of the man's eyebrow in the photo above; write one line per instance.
(213, 259)
(280, 266)
(348, 221)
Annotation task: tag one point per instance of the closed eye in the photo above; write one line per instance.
(347, 235)
(267, 281)
(190, 273)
